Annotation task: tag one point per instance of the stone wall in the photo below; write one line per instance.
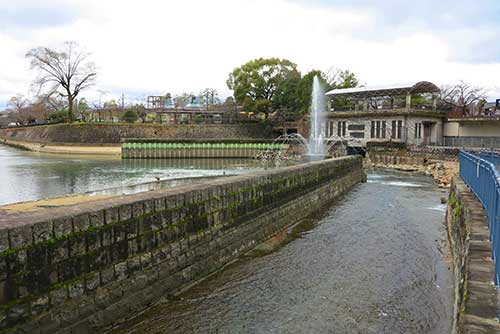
(83, 268)
(113, 133)
(475, 296)
(383, 159)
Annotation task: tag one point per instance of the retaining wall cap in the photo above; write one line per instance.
(16, 219)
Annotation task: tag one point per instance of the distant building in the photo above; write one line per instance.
(492, 108)
(6, 119)
(385, 113)
(159, 102)
(474, 131)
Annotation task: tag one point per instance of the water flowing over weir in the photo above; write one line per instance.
(372, 264)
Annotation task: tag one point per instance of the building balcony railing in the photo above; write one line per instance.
(387, 111)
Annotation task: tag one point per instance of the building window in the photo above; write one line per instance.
(400, 126)
(341, 128)
(383, 129)
(393, 130)
(357, 134)
(330, 131)
(378, 130)
(372, 130)
(418, 130)
(356, 127)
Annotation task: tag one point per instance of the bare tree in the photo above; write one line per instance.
(17, 103)
(18, 106)
(66, 72)
(461, 97)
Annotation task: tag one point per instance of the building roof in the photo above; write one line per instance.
(388, 90)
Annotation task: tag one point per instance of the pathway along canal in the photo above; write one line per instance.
(373, 263)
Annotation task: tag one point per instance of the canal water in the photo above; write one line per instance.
(26, 176)
(374, 263)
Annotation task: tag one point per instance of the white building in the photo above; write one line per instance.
(398, 113)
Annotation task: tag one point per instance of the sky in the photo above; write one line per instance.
(151, 47)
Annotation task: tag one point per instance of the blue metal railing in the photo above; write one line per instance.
(493, 157)
(483, 178)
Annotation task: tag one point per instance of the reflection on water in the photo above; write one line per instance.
(30, 176)
(371, 264)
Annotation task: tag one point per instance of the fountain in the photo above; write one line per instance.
(316, 149)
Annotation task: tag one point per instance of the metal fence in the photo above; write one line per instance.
(482, 176)
(476, 142)
(493, 157)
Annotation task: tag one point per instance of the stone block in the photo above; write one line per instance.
(77, 245)
(62, 227)
(92, 281)
(80, 327)
(97, 218)
(42, 232)
(48, 323)
(20, 237)
(40, 304)
(165, 218)
(58, 296)
(119, 251)
(86, 306)
(106, 236)
(92, 240)
(125, 212)
(121, 271)
(59, 250)
(159, 204)
(137, 209)
(144, 224)
(81, 222)
(112, 215)
(146, 260)
(76, 289)
(132, 227)
(4, 239)
(133, 247)
(107, 275)
(133, 265)
(120, 232)
(149, 207)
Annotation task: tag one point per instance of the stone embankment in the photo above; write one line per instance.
(81, 149)
(442, 171)
(106, 138)
(475, 294)
(83, 268)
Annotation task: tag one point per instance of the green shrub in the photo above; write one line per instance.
(130, 116)
(58, 116)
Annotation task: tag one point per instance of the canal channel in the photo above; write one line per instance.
(375, 262)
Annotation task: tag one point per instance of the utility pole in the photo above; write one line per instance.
(123, 101)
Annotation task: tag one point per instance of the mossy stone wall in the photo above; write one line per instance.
(82, 268)
(85, 134)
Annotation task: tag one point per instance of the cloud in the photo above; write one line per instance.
(19, 15)
(154, 47)
(471, 29)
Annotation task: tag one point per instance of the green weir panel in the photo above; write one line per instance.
(131, 150)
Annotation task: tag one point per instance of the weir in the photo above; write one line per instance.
(85, 267)
(195, 149)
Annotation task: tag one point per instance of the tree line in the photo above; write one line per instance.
(276, 85)
(264, 85)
